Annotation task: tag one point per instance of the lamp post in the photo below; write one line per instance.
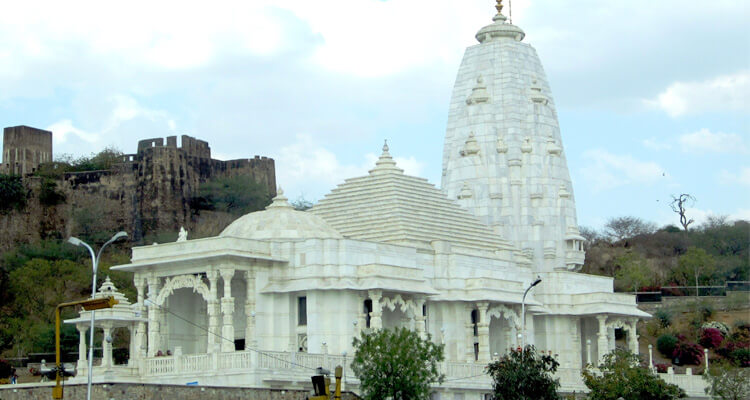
(523, 312)
(95, 265)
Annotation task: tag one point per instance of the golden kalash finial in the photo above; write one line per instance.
(499, 6)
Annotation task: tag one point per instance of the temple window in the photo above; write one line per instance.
(367, 310)
(302, 310)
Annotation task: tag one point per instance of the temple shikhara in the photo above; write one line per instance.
(280, 292)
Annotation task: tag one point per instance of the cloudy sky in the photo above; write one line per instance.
(652, 96)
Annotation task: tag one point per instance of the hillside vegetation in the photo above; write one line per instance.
(644, 258)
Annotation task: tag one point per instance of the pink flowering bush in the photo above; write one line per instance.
(711, 338)
(688, 353)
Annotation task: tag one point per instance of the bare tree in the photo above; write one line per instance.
(679, 205)
(591, 235)
(626, 227)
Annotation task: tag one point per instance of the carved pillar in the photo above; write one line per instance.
(154, 285)
(420, 319)
(139, 339)
(508, 332)
(106, 346)
(213, 312)
(227, 311)
(484, 332)
(82, 349)
(469, 348)
(250, 340)
(376, 316)
(632, 336)
(574, 353)
(603, 342)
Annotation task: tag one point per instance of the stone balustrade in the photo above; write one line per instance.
(299, 367)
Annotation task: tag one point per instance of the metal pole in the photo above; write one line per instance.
(91, 329)
(523, 312)
(95, 265)
(523, 320)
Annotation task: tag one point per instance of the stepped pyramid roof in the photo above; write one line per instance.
(389, 206)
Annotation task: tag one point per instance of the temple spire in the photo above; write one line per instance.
(499, 6)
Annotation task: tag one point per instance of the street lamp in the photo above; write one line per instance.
(95, 264)
(523, 312)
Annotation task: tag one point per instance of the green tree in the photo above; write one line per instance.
(102, 160)
(397, 364)
(727, 381)
(236, 195)
(626, 227)
(693, 266)
(621, 376)
(634, 272)
(524, 375)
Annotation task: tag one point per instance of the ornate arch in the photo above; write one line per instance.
(180, 282)
(405, 305)
(618, 323)
(501, 311)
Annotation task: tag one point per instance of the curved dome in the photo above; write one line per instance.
(280, 221)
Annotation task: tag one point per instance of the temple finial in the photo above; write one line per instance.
(385, 146)
(499, 6)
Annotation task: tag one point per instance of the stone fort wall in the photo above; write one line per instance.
(24, 148)
(147, 192)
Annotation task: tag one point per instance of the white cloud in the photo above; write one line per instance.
(741, 177)
(723, 93)
(61, 129)
(700, 216)
(307, 168)
(607, 170)
(705, 141)
(656, 144)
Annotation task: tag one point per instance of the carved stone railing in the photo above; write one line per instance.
(457, 374)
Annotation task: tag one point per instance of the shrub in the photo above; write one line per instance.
(722, 327)
(524, 374)
(49, 195)
(12, 193)
(741, 357)
(664, 317)
(688, 353)
(711, 338)
(666, 344)
(706, 309)
(620, 376)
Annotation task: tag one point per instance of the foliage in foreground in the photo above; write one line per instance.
(524, 375)
(396, 363)
(621, 376)
(727, 381)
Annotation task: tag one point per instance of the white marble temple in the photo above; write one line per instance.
(280, 292)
